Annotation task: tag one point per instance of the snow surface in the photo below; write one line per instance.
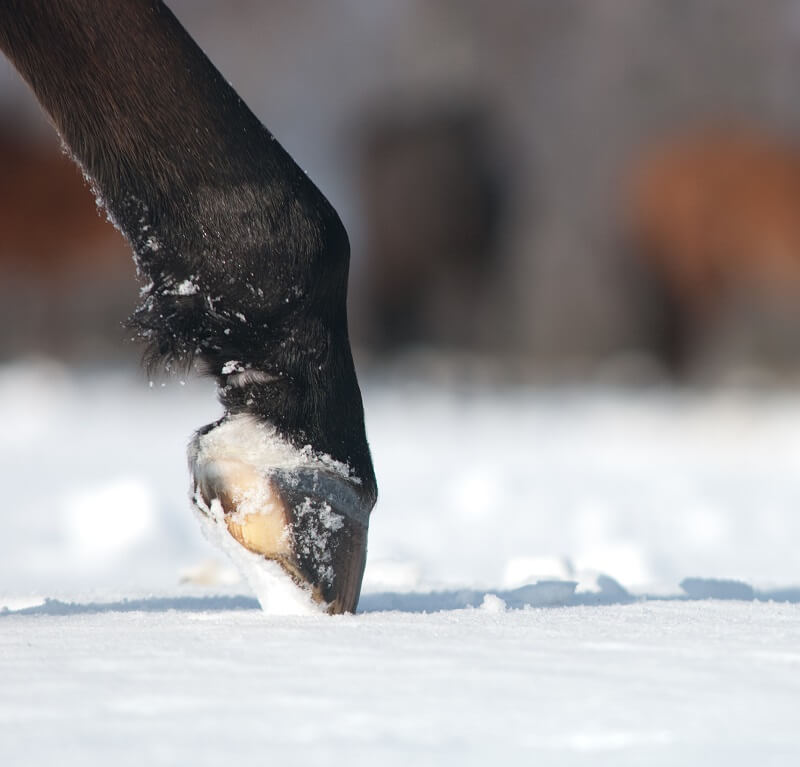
(538, 589)
(646, 684)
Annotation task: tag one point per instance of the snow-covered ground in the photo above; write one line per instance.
(522, 601)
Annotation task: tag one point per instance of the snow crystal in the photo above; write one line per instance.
(313, 539)
(186, 288)
(232, 366)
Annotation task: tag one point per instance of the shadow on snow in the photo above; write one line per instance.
(540, 594)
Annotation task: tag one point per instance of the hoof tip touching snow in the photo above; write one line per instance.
(292, 521)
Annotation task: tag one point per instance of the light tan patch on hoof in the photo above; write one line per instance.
(262, 534)
(255, 513)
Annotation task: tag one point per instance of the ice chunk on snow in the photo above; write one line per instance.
(493, 604)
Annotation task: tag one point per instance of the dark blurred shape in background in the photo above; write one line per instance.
(534, 181)
(433, 196)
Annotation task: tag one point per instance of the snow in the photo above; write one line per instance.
(232, 366)
(561, 576)
(242, 439)
(185, 288)
(168, 683)
(103, 521)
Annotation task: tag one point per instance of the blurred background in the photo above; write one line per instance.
(559, 187)
(541, 193)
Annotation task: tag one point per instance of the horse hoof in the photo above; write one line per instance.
(295, 522)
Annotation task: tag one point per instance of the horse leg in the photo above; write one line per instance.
(245, 264)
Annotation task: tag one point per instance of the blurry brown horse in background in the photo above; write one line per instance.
(715, 218)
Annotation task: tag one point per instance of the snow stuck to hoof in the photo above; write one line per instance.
(276, 591)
